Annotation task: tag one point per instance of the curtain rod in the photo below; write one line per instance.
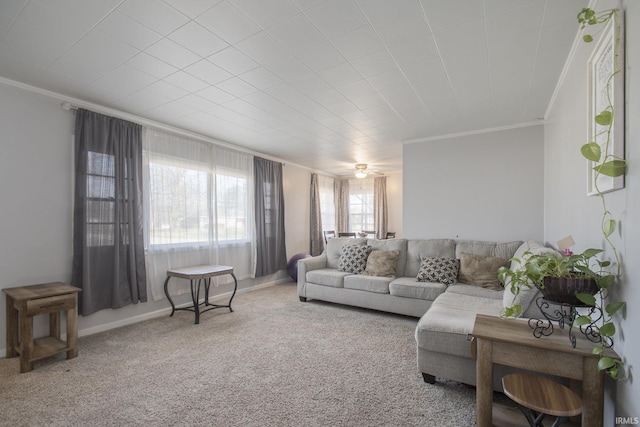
(67, 106)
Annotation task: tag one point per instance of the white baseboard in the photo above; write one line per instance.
(158, 313)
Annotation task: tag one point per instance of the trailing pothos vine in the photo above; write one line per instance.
(609, 165)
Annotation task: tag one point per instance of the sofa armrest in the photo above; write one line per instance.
(309, 264)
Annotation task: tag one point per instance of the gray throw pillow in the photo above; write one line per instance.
(439, 270)
(353, 259)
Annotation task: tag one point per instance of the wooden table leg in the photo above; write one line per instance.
(54, 324)
(484, 383)
(592, 393)
(26, 341)
(12, 328)
(72, 332)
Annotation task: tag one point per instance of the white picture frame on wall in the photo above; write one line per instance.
(601, 65)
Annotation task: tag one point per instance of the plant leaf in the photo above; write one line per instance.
(591, 252)
(608, 330)
(608, 227)
(606, 281)
(598, 350)
(605, 118)
(581, 320)
(591, 151)
(614, 307)
(605, 363)
(612, 168)
(513, 311)
(587, 299)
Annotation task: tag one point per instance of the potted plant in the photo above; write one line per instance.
(568, 279)
(579, 280)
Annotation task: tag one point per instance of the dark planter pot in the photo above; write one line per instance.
(563, 289)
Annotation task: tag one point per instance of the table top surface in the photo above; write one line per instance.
(43, 290)
(518, 331)
(200, 271)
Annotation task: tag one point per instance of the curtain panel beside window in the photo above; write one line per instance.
(380, 211)
(108, 242)
(271, 253)
(315, 220)
(341, 203)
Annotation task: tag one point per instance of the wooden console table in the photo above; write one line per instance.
(25, 302)
(511, 342)
(196, 276)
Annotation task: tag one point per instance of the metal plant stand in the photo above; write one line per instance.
(566, 314)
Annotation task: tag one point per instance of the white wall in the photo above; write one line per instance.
(568, 210)
(487, 186)
(36, 212)
(297, 188)
(394, 203)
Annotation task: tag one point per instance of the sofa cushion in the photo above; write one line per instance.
(527, 295)
(408, 287)
(441, 270)
(334, 248)
(477, 247)
(327, 277)
(375, 284)
(446, 326)
(481, 270)
(353, 258)
(461, 288)
(392, 245)
(435, 248)
(382, 263)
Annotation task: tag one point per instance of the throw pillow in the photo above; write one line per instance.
(440, 270)
(382, 263)
(353, 259)
(481, 271)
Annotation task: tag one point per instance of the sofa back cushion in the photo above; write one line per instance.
(399, 245)
(492, 249)
(334, 248)
(427, 248)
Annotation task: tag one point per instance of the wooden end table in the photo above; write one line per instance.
(511, 342)
(196, 276)
(25, 302)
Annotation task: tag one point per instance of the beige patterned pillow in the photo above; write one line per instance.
(480, 271)
(382, 263)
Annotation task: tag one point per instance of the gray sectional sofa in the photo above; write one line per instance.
(446, 311)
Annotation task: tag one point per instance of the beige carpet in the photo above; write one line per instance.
(274, 361)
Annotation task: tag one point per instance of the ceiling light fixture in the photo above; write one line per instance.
(361, 170)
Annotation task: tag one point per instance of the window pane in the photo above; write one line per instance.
(231, 207)
(179, 211)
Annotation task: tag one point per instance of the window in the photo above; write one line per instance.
(361, 204)
(189, 204)
(100, 213)
(327, 203)
(232, 195)
(179, 205)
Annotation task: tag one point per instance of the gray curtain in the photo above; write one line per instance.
(380, 217)
(271, 253)
(317, 239)
(341, 200)
(108, 247)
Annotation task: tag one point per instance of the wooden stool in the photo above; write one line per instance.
(539, 396)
